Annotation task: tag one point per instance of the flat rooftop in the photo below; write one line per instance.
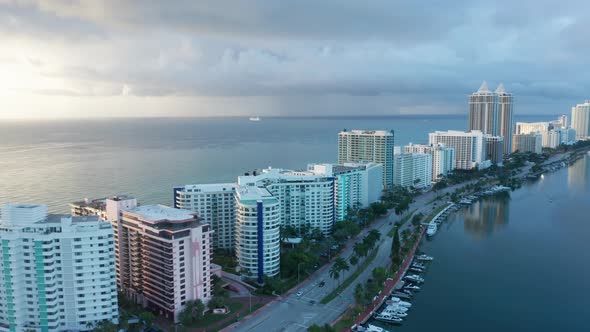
(367, 132)
(210, 187)
(161, 212)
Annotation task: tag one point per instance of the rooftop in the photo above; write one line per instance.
(210, 187)
(367, 132)
(253, 193)
(161, 212)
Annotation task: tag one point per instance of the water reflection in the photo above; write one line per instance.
(577, 175)
(486, 216)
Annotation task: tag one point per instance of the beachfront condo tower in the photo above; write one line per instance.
(581, 120)
(505, 117)
(368, 146)
(469, 147)
(483, 110)
(57, 271)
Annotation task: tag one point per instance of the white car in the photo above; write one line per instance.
(299, 293)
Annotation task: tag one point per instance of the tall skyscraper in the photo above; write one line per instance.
(505, 117)
(581, 120)
(167, 257)
(58, 271)
(258, 224)
(469, 147)
(483, 111)
(215, 204)
(368, 145)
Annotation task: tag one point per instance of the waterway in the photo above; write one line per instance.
(514, 263)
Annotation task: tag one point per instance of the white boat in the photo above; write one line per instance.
(419, 266)
(388, 318)
(415, 278)
(254, 118)
(393, 308)
(412, 287)
(424, 257)
(373, 328)
(432, 228)
(398, 301)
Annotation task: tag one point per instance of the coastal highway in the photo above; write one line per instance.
(297, 313)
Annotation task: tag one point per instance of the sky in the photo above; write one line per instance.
(74, 58)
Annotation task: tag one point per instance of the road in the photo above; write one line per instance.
(297, 313)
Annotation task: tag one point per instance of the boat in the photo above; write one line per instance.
(254, 118)
(416, 269)
(414, 278)
(419, 266)
(424, 257)
(373, 328)
(398, 301)
(393, 308)
(388, 318)
(402, 295)
(412, 287)
(432, 228)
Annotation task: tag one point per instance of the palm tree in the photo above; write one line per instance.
(342, 265)
(353, 260)
(359, 293)
(334, 272)
(359, 249)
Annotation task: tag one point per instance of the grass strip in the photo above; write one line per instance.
(350, 279)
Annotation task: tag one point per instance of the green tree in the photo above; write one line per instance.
(147, 318)
(353, 260)
(216, 302)
(341, 265)
(105, 326)
(334, 272)
(359, 293)
(359, 249)
(379, 274)
(192, 312)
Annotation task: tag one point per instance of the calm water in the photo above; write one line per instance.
(520, 263)
(56, 162)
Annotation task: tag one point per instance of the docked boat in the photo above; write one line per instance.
(398, 301)
(432, 228)
(384, 317)
(414, 278)
(416, 269)
(402, 295)
(424, 257)
(373, 328)
(394, 309)
(412, 287)
(419, 266)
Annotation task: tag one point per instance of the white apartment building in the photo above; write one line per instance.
(553, 138)
(215, 204)
(368, 146)
(527, 142)
(413, 170)
(304, 197)
(258, 224)
(469, 147)
(531, 127)
(443, 158)
(357, 185)
(58, 271)
(165, 256)
(581, 120)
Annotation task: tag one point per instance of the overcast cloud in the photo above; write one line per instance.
(129, 58)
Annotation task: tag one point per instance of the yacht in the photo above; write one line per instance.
(424, 257)
(416, 269)
(412, 287)
(398, 301)
(432, 228)
(254, 118)
(373, 328)
(419, 266)
(388, 318)
(414, 278)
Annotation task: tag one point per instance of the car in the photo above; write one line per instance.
(312, 302)
(322, 283)
(299, 293)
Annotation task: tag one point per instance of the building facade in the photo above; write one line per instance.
(527, 143)
(306, 199)
(443, 158)
(483, 111)
(413, 170)
(357, 185)
(368, 146)
(505, 117)
(469, 147)
(495, 149)
(581, 120)
(215, 204)
(258, 224)
(58, 271)
(167, 257)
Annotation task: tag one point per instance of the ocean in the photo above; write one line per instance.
(60, 161)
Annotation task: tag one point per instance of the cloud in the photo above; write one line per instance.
(423, 55)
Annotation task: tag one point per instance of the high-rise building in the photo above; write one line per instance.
(368, 146)
(58, 271)
(553, 138)
(483, 111)
(531, 127)
(469, 147)
(413, 170)
(215, 204)
(495, 149)
(505, 117)
(443, 158)
(581, 120)
(258, 224)
(167, 257)
(357, 185)
(527, 142)
(306, 199)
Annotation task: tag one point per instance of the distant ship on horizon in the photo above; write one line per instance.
(254, 118)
